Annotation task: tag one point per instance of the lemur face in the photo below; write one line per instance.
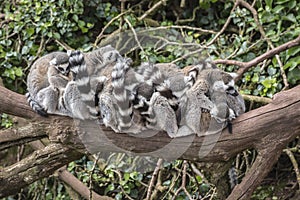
(63, 69)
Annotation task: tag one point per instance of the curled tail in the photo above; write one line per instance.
(83, 103)
(35, 106)
(121, 94)
(81, 77)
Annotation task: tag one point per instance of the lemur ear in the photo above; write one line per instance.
(53, 61)
(69, 52)
(233, 74)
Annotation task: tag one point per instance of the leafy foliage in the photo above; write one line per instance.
(31, 28)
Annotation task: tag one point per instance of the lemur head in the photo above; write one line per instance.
(61, 64)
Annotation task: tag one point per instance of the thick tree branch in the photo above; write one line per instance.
(266, 129)
(244, 66)
(18, 136)
(15, 104)
(40, 164)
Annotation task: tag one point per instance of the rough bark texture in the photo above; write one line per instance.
(267, 129)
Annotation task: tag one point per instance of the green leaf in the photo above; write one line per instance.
(293, 76)
(75, 18)
(292, 4)
(25, 50)
(271, 70)
(119, 196)
(56, 35)
(18, 71)
(126, 176)
(89, 25)
(269, 3)
(290, 17)
(255, 78)
(109, 188)
(189, 39)
(292, 63)
(281, 1)
(292, 51)
(30, 31)
(278, 9)
(268, 82)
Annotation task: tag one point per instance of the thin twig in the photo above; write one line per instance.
(91, 176)
(63, 44)
(263, 34)
(155, 6)
(224, 26)
(212, 41)
(183, 182)
(100, 36)
(257, 99)
(180, 27)
(136, 38)
(153, 178)
(295, 164)
(120, 179)
(179, 21)
(244, 66)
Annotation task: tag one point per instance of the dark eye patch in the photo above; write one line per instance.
(61, 69)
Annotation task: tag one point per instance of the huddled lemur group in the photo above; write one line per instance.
(100, 84)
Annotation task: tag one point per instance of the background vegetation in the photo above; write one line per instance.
(227, 30)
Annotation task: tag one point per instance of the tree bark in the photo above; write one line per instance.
(267, 129)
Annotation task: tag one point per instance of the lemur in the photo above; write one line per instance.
(153, 97)
(185, 98)
(50, 75)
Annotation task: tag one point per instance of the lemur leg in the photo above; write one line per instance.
(193, 106)
(108, 111)
(49, 95)
(161, 115)
(74, 103)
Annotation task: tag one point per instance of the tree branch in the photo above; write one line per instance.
(18, 136)
(41, 163)
(244, 66)
(267, 129)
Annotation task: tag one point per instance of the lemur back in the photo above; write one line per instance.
(41, 75)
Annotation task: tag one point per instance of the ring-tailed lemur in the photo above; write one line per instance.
(206, 90)
(168, 99)
(78, 95)
(54, 68)
(66, 74)
(165, 86)
(115, 102)
(47, 76)
(214, 93)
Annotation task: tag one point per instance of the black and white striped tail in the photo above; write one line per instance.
(35, 106)
(81, 77)
(122, 95)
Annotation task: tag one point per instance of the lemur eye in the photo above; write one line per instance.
(61, 69)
